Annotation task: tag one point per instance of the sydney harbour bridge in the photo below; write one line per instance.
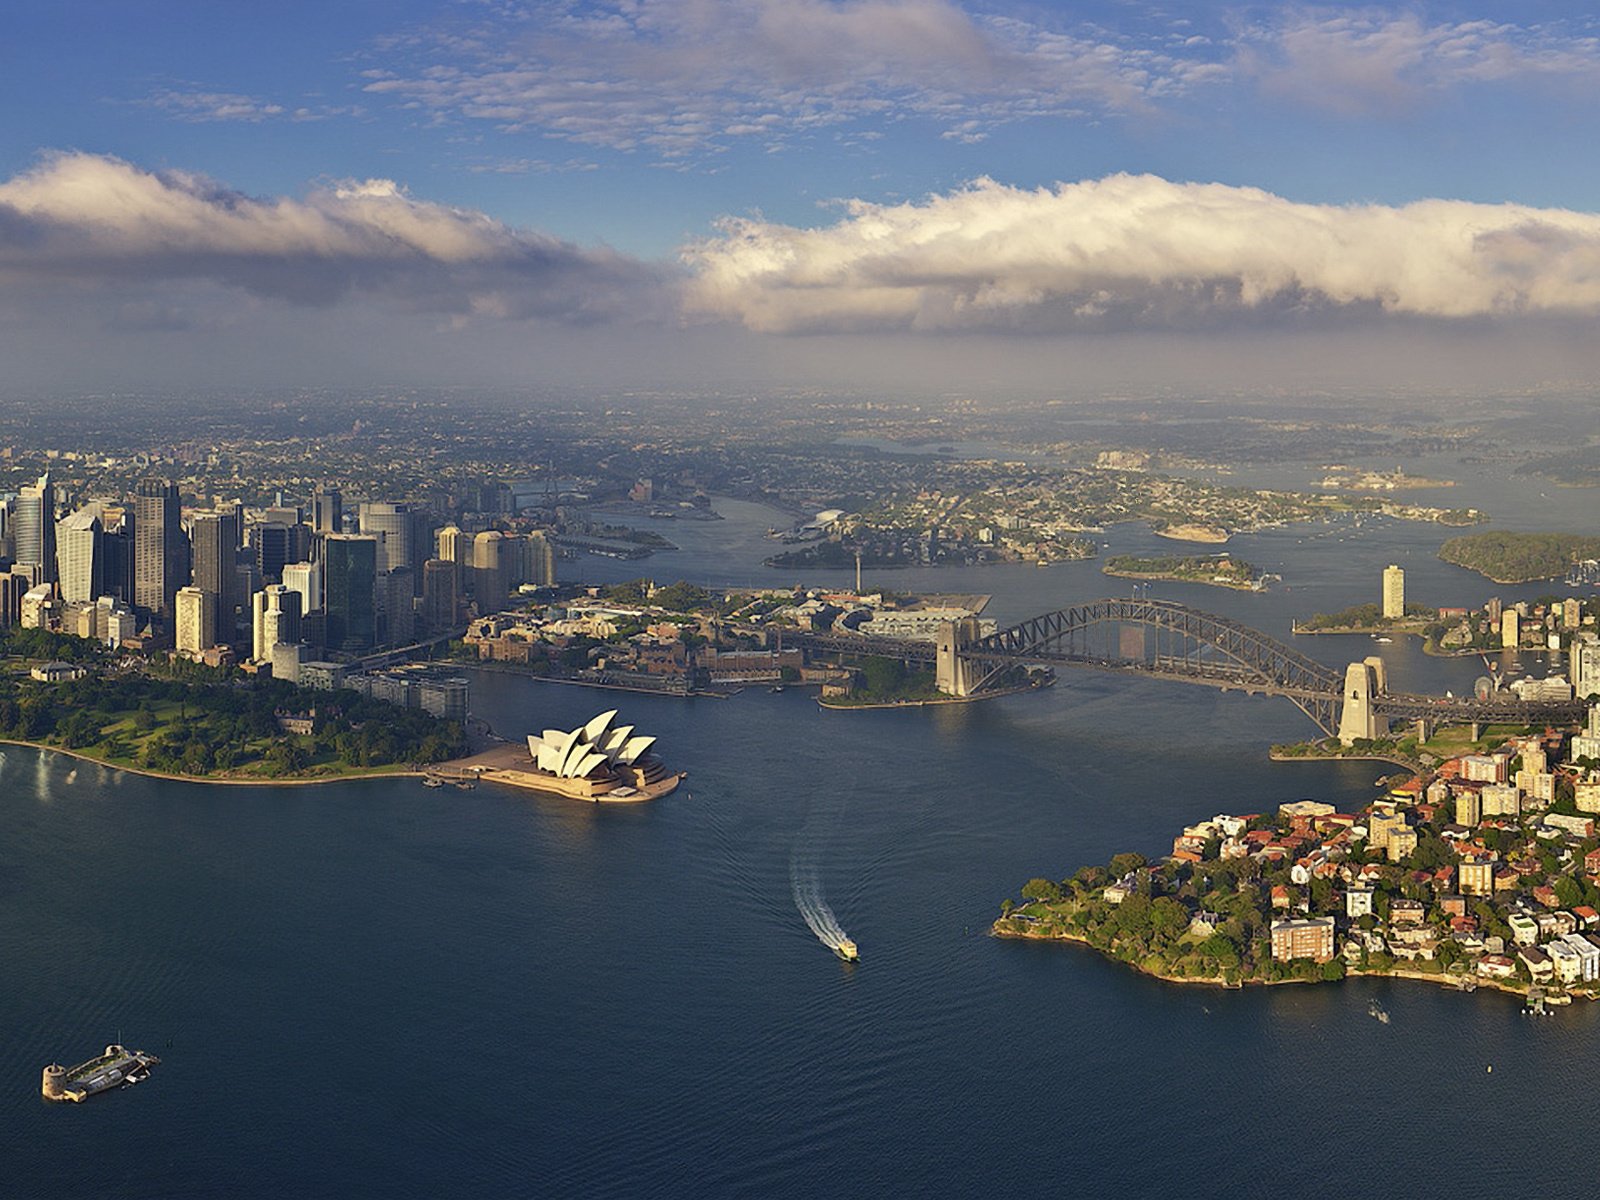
(1163, 640)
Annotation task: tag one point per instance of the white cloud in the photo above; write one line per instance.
(88, 219)
(1374, 60)
(1141, 252)
(680, 77)
(199, 106)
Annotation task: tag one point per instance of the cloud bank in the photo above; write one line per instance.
(1132, 252)
(89, 220)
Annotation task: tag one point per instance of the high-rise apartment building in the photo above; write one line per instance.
(34, 529)
(1394, 592)
(350, 579)
(160, 549)
(80, 556)
(1510, 629)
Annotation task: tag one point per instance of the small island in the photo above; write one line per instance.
(1519, 557)
(1212, 570)
(1462, 878)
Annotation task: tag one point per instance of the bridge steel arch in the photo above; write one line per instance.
(1249, 659)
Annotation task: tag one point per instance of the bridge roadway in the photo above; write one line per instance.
(1251, 661)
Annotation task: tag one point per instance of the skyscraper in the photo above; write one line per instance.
(439, 594)
(274, 549)
(196, 620)
(305, 578)
(80, 556)
(160, 549)
(350, 578)
(34, 534)
(397, 606)
(327, 511)
(394, 526)
(491, 580)
(1394, 591)
(216, 562)
(538, 560)
(275, 620)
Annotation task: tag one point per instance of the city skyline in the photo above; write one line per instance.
(732, 194)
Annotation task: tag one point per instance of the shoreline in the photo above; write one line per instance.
(1440, 979)
(882, 704)
(1274, 756)
(1164, 577)
(80, 756)
(511, 669)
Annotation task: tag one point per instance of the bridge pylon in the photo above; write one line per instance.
(953, 674)
(1363, 682)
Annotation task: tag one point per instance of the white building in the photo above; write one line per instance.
(1394, 591)
(305, 578)
(275, 620)
(1587, 952)
(196, 624)
(80, 555)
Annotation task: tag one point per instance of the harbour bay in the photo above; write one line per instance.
(369, 987)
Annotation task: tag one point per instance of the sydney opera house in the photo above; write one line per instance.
(600, 760)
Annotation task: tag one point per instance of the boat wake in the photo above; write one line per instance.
(808, 899)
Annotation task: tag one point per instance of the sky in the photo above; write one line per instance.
(747, 193)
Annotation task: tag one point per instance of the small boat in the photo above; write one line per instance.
(431, 782)
(775, 688)
(1377, 1012)
(466, 785)
(846, 949)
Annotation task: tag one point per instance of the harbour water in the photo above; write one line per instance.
(377, 989)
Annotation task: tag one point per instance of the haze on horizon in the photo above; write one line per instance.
(753, 193)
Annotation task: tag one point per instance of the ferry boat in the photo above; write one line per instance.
(846, 949)
(115, 1068)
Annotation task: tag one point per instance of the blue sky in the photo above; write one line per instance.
(561, 169)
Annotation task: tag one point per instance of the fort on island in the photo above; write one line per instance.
(117, 1067)
(600, 761)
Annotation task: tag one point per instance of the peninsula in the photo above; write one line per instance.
(1519, 557)
(185, 721)
(1483, 873)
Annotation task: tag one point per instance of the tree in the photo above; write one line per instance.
(1123, 864)
(1168, 918)
(1041, 889)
